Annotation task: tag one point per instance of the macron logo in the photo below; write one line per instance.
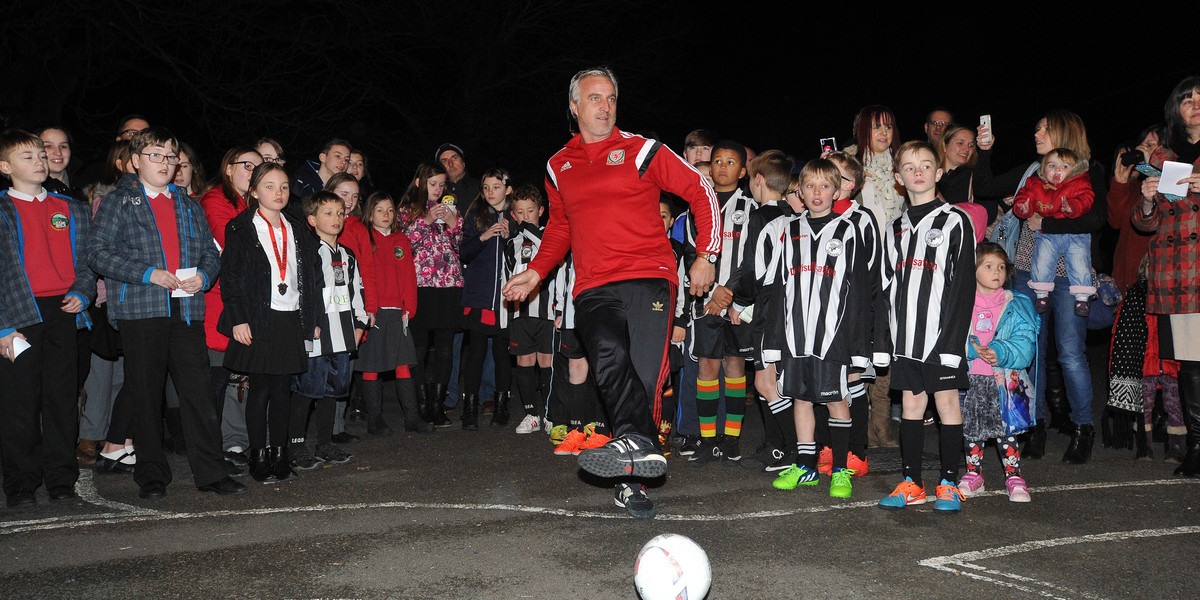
(566, 165)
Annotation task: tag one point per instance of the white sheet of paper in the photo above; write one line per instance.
(19, 346)
(1171, 173)
(183, 274)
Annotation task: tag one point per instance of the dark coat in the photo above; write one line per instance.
(246, 282)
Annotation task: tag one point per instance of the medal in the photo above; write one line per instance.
(280, 257)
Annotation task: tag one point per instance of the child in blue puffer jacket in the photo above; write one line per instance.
(1004, 329)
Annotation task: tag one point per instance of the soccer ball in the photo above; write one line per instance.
(672, 567)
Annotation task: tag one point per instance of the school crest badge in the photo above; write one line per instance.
(739, 217)
(834, 248)
(59, 221)
(526, 252)
(616, 157)
(398, 251)
(934, 238)
(339, 275)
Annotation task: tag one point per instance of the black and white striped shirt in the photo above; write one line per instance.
(564, 285)
(520, 250)
(735, 215)
(341, 302)
(929, 284)
(820, 264)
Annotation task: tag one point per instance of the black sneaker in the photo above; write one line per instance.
(330, 453)
(731, 448)
(632, 497)
(708, 452)
(302, 459)
(782, 461)
(764, 456)
(629, 455)
(691, 443)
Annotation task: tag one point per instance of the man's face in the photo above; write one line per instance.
(336, 159)
(596, 108)
(131, 127)
(453, 163)
(936, 124)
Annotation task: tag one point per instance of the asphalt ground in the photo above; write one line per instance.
(492, 514)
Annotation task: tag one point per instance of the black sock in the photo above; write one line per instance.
(551, 405)
(912, 444)
(860, 413)
(527, 388)
(950, 443)
(299, 418)
(839, 436)
(807, 455)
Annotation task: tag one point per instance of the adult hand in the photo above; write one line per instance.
(6, 345)
(165, 279)
(241, 333)
(1121, 171)
(1035, 222)
(72, 304)
(701, 275)
(1149, 189)
(983, 138)
(193, 284)
(1192, 181)
(518, 288)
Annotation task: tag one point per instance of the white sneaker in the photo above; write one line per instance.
(529, 424)
(548, 425)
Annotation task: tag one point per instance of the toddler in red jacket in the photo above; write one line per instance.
(1060, 190)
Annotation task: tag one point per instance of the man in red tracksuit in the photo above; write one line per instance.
(604, 187)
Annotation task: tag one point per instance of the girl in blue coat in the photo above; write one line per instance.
(1004, 329)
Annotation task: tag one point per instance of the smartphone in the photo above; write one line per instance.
(986, 121)
(1148, 170)
(828, 145)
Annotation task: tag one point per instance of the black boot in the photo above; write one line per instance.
(1035, 446)
(372, 399)
(1191, 462)
(413, 421)
(470, 413)
(1079, 450)
(500, 414)
(1176, 449)
(260, 464)
(1144, 449)
(1056, 399)
(422, 391)
(281, 464)
(437, 406)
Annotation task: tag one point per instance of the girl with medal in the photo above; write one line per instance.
(271, 287)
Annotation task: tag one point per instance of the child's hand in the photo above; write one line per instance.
(358, 336)
(723, 296)
(987, 354)
(558, 322)
(677, 334)
(735, 317)
(1066, 206)
(241, 333)
(712, 308)
(6, 345)
(370, 320)
(72, 304)
(165, 279)
(316, 333)
(192, 284)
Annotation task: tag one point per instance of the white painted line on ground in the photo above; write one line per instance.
(143, 515)
(86, 489)
(964, 563)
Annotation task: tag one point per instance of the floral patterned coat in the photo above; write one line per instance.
(435, 248)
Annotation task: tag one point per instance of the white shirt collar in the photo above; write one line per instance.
(26, 197)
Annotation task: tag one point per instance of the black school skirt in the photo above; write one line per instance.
(279, 352)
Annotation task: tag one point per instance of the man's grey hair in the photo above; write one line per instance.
(573, 91)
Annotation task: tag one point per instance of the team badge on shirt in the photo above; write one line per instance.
(527, 252)
(834, 248)
(59, 221)
(616, 157)
(398, 251)
(739, 217)
(339, 276)
(935, 237)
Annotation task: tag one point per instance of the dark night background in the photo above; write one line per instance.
(399, 78)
